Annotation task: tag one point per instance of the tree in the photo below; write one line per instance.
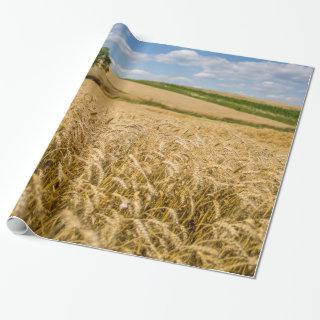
(103, 59)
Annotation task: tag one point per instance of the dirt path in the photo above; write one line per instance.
(175, 100)
(182, 102)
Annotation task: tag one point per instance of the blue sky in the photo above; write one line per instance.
(283, 82)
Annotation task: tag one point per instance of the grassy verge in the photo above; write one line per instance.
(287, 116)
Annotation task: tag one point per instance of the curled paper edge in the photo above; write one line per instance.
(18, 226)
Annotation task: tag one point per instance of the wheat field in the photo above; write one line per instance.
(138, 179)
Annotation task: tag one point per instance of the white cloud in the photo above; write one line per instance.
(264, 78)
(266, 72)
(124, 72)
(143, 74)
(181, 57)
(268, 83)
(115, 40)
(181, 79)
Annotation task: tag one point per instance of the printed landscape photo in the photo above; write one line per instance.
(169, 153)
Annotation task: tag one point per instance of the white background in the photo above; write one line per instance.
(46, 50)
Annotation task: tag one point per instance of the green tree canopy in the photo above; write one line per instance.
(103, 59)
